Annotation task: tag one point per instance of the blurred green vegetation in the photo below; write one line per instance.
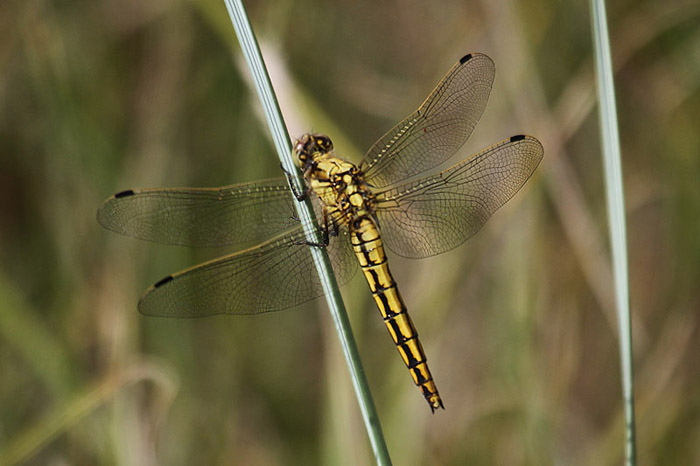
(518, 324)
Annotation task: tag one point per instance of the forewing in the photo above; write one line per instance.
(440, 126)
(273, 276)
(236, 215)
(435, 214)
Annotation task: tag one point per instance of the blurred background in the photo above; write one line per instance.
(518, 323)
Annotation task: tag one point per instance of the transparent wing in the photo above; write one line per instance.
(273, 276)
(440, 126)
(235, 215)
(437, 213)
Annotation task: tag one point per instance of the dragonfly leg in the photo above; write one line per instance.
(300, 196)
(329, 225)
(328, 228)
(324, 242)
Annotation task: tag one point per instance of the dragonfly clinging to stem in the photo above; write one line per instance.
(383, 201)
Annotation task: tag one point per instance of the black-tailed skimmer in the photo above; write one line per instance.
(418, 216)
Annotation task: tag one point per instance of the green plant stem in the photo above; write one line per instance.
(283, 145)
(616, 213)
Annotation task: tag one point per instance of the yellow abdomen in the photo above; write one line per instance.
(367, 244)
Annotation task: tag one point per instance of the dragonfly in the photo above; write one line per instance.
(385, 201)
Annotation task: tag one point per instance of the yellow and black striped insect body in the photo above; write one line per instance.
(387, 201)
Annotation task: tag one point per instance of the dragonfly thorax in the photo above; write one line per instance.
(339, 184)
(342, 189)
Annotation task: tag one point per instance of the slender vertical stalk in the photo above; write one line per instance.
(283, 145)
(616, 212)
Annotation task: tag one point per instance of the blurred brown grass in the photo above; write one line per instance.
(97, 97)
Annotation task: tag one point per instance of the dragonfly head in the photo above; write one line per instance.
(307, 147)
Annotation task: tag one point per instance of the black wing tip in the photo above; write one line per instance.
(534, 143)
(465, 58)
(475, 55)
(143, 308)
(163, 281)
(126, 193)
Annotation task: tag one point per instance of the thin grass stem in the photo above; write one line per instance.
(283, 145)
(610, 141)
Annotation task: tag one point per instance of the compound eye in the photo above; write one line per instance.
(324, 143)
